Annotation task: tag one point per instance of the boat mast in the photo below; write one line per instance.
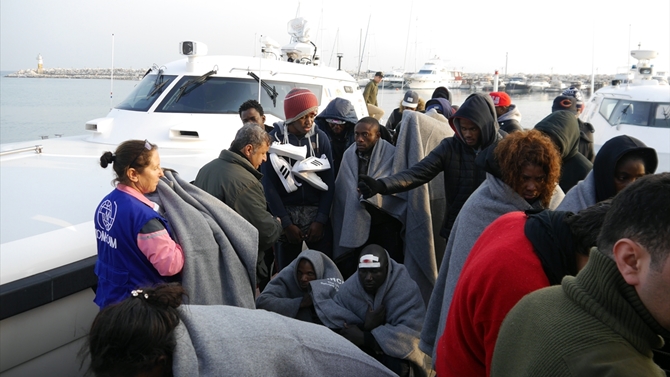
(364, 43)
(111, 85)
(404, 63)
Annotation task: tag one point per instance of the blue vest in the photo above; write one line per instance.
(121, 265)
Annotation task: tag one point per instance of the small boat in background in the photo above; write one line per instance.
(433, 74)
(517, 85)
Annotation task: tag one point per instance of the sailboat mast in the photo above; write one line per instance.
(111, 85)
(364, 43)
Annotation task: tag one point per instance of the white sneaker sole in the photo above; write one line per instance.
(283, 169)
(288, 150)
(312, 164)
(313, 180)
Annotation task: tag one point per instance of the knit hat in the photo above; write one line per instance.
(411, 99)
(298, 103)
(564, 103)
(574, 92)
(500, 99)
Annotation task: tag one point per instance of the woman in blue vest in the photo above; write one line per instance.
(135, 245)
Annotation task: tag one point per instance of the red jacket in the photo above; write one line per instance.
(502, 268)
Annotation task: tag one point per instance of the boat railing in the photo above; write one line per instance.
(37, 149)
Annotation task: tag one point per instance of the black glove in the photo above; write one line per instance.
(369, 186)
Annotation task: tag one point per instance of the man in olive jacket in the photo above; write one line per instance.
(609, 319)
(234, 178)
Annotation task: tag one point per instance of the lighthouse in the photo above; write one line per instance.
(39, 64)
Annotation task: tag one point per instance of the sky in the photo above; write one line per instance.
(528, 36)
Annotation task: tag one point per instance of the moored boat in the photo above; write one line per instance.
(639, 108)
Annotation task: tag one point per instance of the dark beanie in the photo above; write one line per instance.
(442, 92)
(564, 103)
(298, 103)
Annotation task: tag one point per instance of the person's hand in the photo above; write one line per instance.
(353, 334)
(315, 232)
(293, 234)
(369, 186)
(374, 318)
(306, 300)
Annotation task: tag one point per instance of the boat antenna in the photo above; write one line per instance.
(260, 72)
(628, 68)
(111, 87)
(404, 63)
(506, 66)
(336, 43)
(364, 43)
(593, 63)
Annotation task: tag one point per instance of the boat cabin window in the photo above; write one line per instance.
(426, 72)
(146, 92)
(224, 95)
(636, 113)
(662, 116)
(607, 106)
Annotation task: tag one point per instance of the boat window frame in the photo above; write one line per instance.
(140, 94)
(226, 107)
(631, 112)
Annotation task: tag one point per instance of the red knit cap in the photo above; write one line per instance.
(500, 99)
(298, 103)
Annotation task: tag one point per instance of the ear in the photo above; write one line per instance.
(248, 150)
(132, 174)
(263, 120)
(629, 257)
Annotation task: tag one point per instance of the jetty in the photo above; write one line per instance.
(82, 73)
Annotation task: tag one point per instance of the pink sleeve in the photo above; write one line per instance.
(161, 250)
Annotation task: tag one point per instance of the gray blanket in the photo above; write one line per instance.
(228, 341)
(426, 204)
(581, 196)
(405, 311)
(491, 200)
(350, 219)
(220, 247)
(283, 294)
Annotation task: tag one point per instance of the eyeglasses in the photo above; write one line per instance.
(148, 146)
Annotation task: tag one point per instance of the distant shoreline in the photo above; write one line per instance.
(82, 73)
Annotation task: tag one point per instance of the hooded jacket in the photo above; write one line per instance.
(455, 158)
(340, 109)
(305, 195)
(511, 120)
(283, 294)
(562, 127)
(599, 183)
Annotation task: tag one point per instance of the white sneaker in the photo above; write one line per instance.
(313, 179)
(283, 169)
(288, 150)
(312, 164)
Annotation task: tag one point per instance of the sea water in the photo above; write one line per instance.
(33, 108)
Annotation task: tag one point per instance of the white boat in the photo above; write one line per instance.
(50, 188)
(394, 79)
(639, 108)
(555, 86)
(433, 74)
(538, 86)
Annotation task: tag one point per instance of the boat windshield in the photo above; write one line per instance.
(146, 92)
(224, 95)
(426, 72)
(636, 113)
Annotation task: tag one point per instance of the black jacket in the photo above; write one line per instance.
(586, 131)
(562, 127)
(455, 158)
(340, 109)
